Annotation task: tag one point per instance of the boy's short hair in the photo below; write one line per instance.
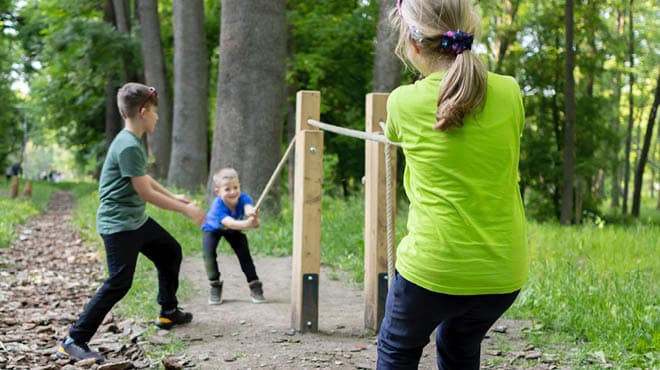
(133, 96)
(226, 173)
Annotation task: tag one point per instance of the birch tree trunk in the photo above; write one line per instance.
(250, 104)
(188, 163)
(160, 141)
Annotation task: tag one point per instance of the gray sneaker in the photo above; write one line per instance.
(215, 292)
(257, 292)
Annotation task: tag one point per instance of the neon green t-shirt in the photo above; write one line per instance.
(466, 223)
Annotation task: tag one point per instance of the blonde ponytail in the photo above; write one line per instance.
(463, 90)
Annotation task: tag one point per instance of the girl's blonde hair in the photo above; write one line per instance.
(423, 22)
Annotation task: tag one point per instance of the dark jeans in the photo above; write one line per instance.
(412, 313)
(238, 242)
(122, 250)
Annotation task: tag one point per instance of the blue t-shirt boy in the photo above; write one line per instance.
(219, 210)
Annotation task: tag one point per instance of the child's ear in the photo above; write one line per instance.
(216, 191)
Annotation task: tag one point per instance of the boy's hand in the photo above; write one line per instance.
(182, 198)
(195, 214)
(254, 221)
(250, 212)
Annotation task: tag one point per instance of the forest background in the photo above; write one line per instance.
(228, 93)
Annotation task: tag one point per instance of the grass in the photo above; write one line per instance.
(592, 293)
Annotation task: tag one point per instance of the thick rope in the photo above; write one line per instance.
(353, 133)
(388, 205)
(275, 173)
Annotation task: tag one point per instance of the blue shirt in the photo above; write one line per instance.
(219, 211)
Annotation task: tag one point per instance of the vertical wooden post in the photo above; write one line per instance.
(306, 260)
(13, 189)
(375, 214)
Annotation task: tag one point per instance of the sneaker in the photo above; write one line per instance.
(215, 292)
(257, 292)
(69, 349)
(168, 319)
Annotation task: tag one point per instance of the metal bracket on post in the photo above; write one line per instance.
(310, 303)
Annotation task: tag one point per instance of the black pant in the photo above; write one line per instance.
(460, 322)
(238, 242)
(122, 250)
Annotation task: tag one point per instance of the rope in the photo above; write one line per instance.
(275, 173)
(348, 132)
(388, 207)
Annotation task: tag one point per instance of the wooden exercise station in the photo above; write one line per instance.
(308, 191)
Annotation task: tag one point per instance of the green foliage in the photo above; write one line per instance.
(333, 44)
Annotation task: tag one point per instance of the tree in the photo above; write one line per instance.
(631, 120)
(160, 141)
(112, 118)
(188, 163)
(251, 91)
(639, 172)
(387, 67)
(569, 130)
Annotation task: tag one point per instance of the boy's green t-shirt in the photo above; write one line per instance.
(466, 224)
(121, 208)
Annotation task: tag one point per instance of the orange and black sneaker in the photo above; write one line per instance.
(69, 349)
(176, 316)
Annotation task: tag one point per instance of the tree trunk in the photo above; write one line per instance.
(160, 141)
(188, 162)
(569, 130)
(387, 67)
(631, 79)
(113, 121)
(509, 35)
(251, 92)
(292, 87)
(616, 165)
(639, 172)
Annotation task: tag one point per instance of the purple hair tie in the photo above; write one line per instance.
(456, 41)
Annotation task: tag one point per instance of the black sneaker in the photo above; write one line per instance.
(257, 292)
(168, 319)
(69, 349)
(215, 292)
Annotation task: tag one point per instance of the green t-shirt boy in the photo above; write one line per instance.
(121, 208)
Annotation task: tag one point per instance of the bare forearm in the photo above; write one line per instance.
(160, 188)
(163, 201)
(238, 224)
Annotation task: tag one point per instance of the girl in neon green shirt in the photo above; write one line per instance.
(464, 258)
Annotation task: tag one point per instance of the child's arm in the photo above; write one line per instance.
(161, 189)
(143, 186)
(251, 222)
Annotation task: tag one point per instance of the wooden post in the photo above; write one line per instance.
(27, 190)
(375, 214)
(13, 190)
(306, 259)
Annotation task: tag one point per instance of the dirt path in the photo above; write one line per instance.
(239, 334)
(48, 274)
